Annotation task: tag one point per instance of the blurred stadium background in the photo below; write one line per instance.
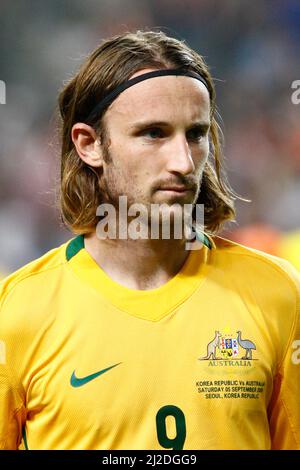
(253, 50)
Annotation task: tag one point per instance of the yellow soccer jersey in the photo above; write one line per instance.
(209, 360)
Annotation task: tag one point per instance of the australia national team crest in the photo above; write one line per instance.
(228, 346)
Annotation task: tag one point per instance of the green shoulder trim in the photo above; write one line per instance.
(204, 239)
(74, 247)
(25, 438)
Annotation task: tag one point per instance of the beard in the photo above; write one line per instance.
(170, 218)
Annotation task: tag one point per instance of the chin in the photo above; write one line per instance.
(180, 199)
(172, 213)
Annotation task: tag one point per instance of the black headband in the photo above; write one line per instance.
(108, 99)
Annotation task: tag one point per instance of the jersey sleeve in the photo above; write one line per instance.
(284, 412)
(11, 413)
(12, 407)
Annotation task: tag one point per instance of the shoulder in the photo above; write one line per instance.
(33, 278)
(254, 259)
(268, 277)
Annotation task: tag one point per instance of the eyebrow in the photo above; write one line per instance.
(204, 125)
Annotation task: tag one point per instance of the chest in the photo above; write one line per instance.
(114, 376)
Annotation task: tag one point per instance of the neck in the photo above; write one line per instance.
(138, 264)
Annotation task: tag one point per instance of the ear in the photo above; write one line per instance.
(87, 144)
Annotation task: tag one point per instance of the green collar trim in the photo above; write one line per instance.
(204, 239)
(74, 247)
(77, 244)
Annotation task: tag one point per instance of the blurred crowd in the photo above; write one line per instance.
(253, 51)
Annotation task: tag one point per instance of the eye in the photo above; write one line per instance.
(154, 133)
(196, 133)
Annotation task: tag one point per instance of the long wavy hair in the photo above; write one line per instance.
(114, 61)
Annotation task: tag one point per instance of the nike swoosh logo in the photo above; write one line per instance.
(78, 382)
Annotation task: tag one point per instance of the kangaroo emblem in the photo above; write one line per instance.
(211, 347)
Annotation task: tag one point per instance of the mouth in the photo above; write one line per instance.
(177, 190)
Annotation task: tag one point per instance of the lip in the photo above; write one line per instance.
(176, 189)
(175, 193)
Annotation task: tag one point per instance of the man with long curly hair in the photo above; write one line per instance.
(116, 340)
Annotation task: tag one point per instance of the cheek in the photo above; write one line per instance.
(136, 162)
(201, 155)
(205, 147)
(129, 174)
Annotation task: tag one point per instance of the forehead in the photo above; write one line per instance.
(166, 98)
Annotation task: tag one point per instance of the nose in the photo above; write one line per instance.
(179, 158)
